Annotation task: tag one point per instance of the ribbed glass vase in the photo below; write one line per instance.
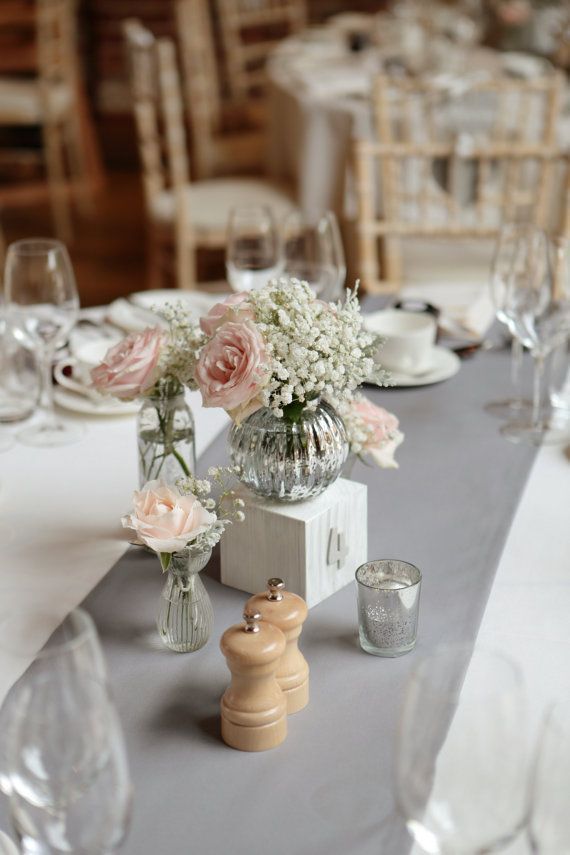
(290, 461)
(185, 614)
(166, 437)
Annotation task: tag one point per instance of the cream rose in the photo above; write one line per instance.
(130, 368)
(165, 520)
(381, 427)
(233, 368)
(234, 308)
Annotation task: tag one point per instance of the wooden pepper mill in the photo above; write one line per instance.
(254, 712)
(288, 612)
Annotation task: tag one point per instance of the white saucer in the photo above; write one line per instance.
(68, 400)
(446, 363)
(200, 303)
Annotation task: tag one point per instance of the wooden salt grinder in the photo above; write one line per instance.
(254, 712)
(287, 611)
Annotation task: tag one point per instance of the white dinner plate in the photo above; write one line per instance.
(446, 363)
(200, 303)
(88, 407)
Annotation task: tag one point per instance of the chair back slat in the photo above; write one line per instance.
(505, 182)
(201, 79)
(158, 111)
(247, 29)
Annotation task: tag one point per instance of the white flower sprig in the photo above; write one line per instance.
(228, 507)
(182, 345)
(318, 349)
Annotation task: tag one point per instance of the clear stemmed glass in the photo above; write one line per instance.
(549, 825)
(541, 320)
(253, 250)
(314, 252)
(42, 306)
(461, 761)
(501, 268)
(64, 765)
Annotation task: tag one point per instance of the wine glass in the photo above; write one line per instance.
(63, 765)
(42, 305)
(461, 760)
(30, 647)
(253, 250)
(549, 825)
(70, 785)
(501, 268)
(313, 252)
(541, 320)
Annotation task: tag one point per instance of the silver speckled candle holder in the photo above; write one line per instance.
(388, 602)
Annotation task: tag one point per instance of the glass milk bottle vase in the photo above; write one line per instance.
(290, 461)
(185, 614)
(166, 437)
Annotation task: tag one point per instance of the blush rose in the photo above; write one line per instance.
(233, 368)
(234, 308)
(165, 520)
(384, 437)
(131, 367)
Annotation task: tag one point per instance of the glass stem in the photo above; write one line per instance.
(516, 366)
(537, 389)
(47, 359)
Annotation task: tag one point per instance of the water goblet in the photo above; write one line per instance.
(461, 759)
(501, 268)
(549, 824)
(541, 321)
(253, 250)
(42, 306)
(314, 253)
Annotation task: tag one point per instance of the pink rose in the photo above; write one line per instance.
(515, 13)
(232, 309)
(130, 368)
(165, 520)
(233, 368)
(382, 429)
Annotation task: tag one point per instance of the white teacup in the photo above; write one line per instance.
(86, 357)
(409, 339)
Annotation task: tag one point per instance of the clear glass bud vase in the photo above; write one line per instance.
(185, 614)
(166, 438)
(290, 461)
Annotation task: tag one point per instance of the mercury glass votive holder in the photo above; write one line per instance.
(388, 602)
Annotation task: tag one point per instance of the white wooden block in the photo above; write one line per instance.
(314, 546)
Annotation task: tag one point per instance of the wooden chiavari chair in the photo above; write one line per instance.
(215, 151)
(248, 29)
(407, 110)
(509, 183)
(52, 99)
(180, 212)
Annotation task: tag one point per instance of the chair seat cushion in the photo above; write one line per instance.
(210, 203)
(21, 104)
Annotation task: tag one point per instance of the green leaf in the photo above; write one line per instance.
(165, 559)
(292, 412)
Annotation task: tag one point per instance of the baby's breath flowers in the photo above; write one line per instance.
(283, 349)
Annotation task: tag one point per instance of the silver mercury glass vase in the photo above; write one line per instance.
(185, 614)
(290, 461)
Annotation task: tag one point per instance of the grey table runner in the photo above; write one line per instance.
(328, 788)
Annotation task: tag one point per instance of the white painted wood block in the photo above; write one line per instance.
(314, 546)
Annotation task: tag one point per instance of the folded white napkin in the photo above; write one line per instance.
(131, 318)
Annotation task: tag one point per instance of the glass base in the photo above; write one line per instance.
(385, 652)
(547, 432)
(510, 408)
(52, 434)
